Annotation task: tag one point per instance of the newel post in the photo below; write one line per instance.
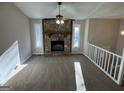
(86, 41)
(121, 69)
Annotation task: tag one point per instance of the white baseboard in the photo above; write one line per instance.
(37, 53)
(26, 58)
(77, 52)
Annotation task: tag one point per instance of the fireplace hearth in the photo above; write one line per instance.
(57, 45)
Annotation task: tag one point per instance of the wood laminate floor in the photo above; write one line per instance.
(56, 73)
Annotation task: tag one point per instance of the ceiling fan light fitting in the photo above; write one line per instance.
(62, 21)
(57, 21)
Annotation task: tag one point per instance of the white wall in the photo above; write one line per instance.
(120, 41)
(103, 33)
(82, 30)
(0, 29)
(14, 25)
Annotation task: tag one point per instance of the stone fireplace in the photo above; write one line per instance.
(57, 39)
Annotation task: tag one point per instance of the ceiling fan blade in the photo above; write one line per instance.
(68, 19)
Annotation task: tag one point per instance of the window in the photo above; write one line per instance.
(76, 36)
(37, 32)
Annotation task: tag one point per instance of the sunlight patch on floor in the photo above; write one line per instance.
(80, 85)
(13, 73)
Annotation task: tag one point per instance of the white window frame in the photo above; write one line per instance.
(76, 25)
(37, 44)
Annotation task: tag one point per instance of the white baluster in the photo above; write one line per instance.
(105, 60)
(95, 53)
(108, 65)
(102, 60)
(121, 70)
(112, 65)
(116, 65)
(101, 53)
(98, 56)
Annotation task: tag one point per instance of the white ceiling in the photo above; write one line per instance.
(79, 10)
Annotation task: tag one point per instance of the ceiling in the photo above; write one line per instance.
(73, 10)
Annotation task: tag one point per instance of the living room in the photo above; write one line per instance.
(61, 46)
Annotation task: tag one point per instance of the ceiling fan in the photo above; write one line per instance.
(59, 18)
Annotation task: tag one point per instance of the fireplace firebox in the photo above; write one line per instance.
(57, 45)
